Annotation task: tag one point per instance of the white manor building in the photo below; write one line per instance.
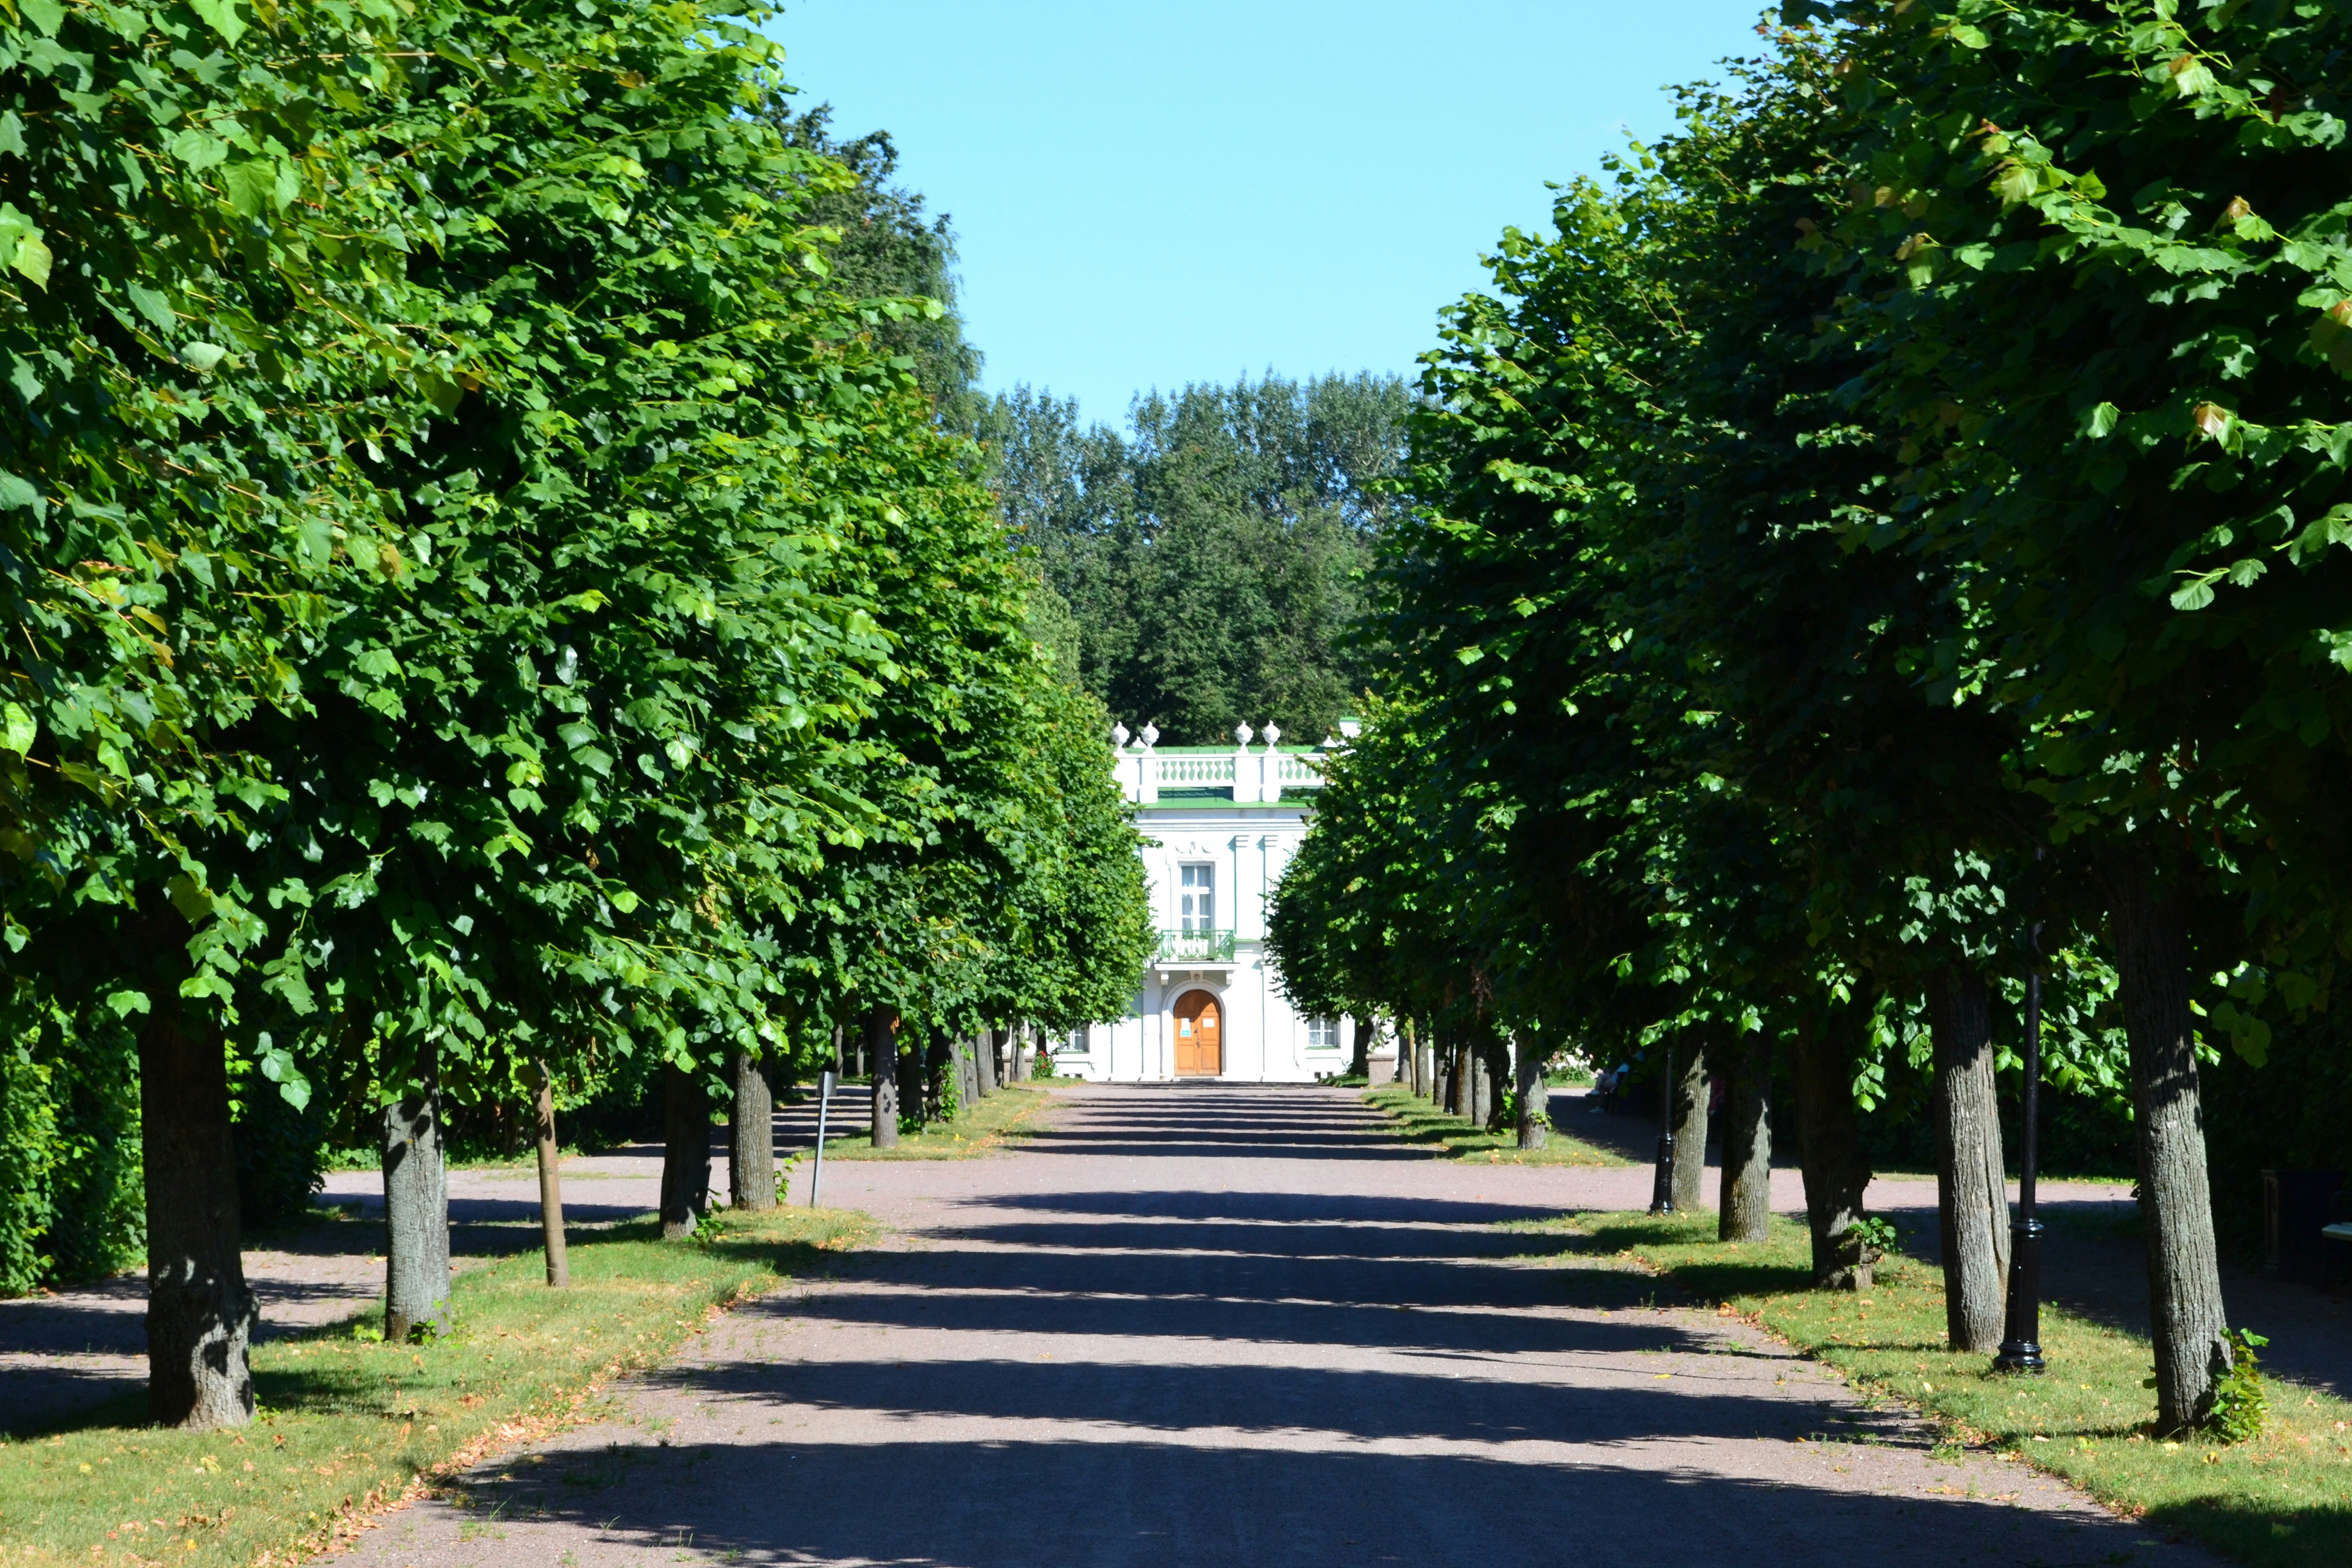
(1219, 824)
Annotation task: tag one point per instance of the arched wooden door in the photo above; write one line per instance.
(1199, 1046)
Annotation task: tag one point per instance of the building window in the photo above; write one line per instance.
(1322, 1034)
(1198, 908)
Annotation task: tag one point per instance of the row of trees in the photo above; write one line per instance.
(1883, 542)
(491, 613)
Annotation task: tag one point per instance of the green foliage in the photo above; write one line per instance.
(71, 1191)
(887, 249)
(2241, 1407)
(496, 584)
(1210, 553)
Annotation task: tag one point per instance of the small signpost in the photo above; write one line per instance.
(824, 1082)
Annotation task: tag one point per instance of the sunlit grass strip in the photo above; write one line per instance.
(1004, 1118)
(350, 1425)
(2282, 1500)
(1419, 1121)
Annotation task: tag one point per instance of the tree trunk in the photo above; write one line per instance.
(200, 1316)
(1495, 1080)
(1971, 1188)
(551, 1185)
(1406, 1053)
(1535, 1098)
(1359, 1064)
(2184, 1281)
(751, 1137)
(984, 1046)
(685, 1154)
(1481, 1083)
(1829, 1149)
(1690, 1128)
(416, 1209)
(882, 1063)
(1746, 1213)
(1466, 1077)
(936, 1061)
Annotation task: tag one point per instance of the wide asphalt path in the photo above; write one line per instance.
(1203, 1325)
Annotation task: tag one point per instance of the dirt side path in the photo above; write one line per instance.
(1210, 1325)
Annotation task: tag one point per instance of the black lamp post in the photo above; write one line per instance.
(1662, 1194)
(2020, 1345)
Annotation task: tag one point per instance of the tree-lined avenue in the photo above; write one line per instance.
(1223, 1325)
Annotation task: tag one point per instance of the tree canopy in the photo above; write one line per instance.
(1210, 554)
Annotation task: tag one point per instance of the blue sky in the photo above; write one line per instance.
(1151, 193)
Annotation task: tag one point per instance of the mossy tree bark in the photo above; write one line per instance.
(2147, 919)
(686, 1152)
(551, 1183)
(1745, 1211)
(1829, 1146)
(1690, 1108)
(200, 1315)
(1971, 1187)
(882, 1062)
(416, 1209)
(750, 1136)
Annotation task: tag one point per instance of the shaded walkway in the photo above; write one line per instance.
(1225, 1326)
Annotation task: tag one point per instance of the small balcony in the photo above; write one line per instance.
(1177, 947)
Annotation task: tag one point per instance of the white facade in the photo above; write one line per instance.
(1219, 824)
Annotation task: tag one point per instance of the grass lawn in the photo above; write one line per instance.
(1005, 1117)
(1419, 1121)
(349, 1424)
(2282, 1500)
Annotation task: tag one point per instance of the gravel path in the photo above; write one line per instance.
(1209, 1326)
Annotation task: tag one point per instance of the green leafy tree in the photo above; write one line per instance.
(206, 299)
(1210, 554)
(887, 248)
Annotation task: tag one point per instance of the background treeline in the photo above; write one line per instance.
(1210, 556)
(1884, 542)
(499, 615)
